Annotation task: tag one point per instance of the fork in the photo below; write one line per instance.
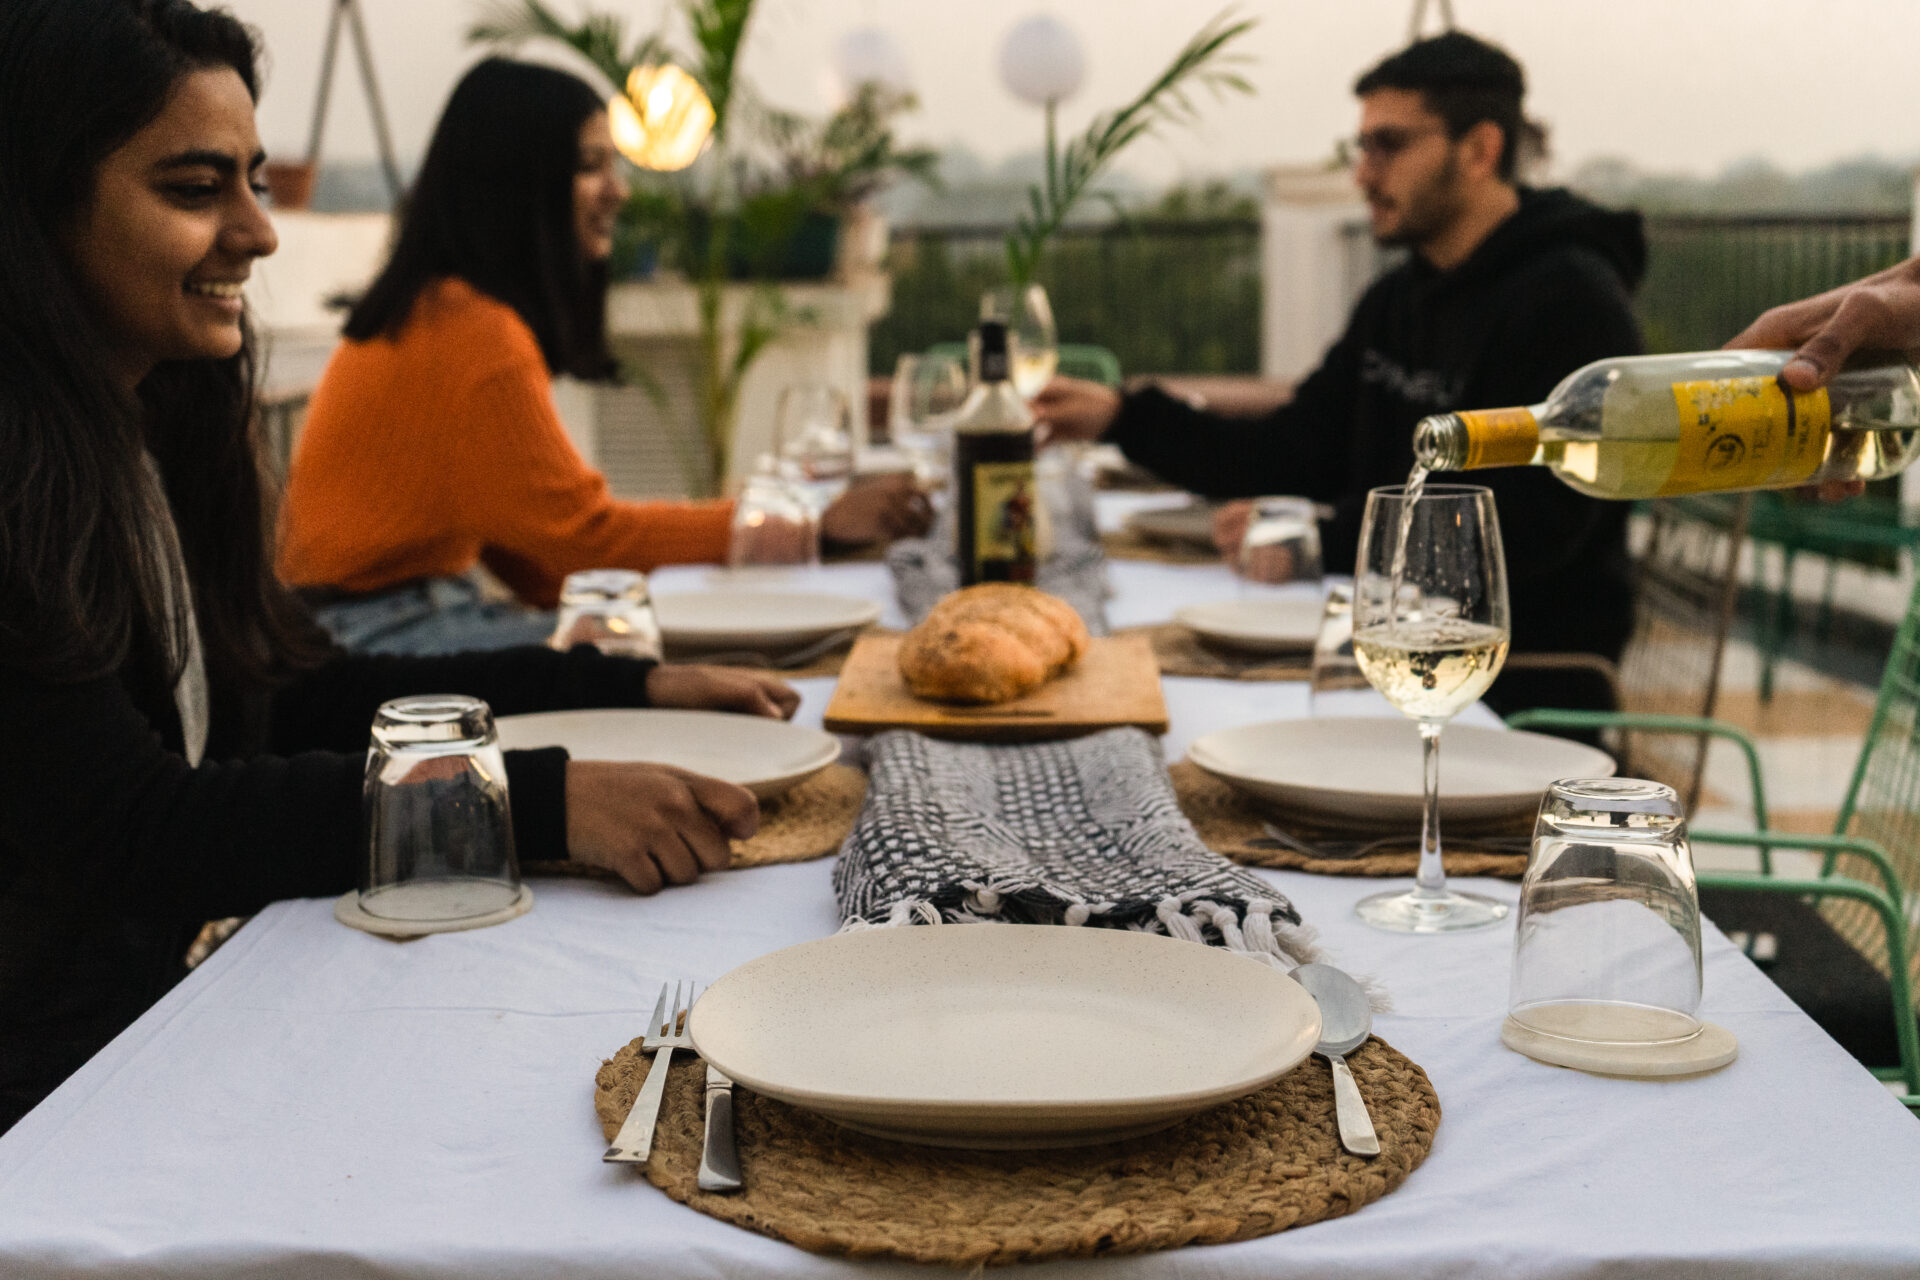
(665, 1033)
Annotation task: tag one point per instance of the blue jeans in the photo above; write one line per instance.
(437, 615)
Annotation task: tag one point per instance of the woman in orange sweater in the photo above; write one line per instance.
(431, 444)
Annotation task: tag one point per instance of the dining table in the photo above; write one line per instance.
(315, 1102)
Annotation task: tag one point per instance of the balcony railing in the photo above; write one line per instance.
(1184, 297)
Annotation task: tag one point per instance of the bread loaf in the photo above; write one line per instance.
(991, 643)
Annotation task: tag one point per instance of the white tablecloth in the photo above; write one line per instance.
(314, 1102)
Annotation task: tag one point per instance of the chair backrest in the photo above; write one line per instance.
(1684, 602)
(1883, 800)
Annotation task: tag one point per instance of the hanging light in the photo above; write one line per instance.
(1041, 60)
(663, 120)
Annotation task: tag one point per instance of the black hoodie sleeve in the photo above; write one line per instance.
(1298, 448)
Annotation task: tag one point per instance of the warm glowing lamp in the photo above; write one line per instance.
(664, 119)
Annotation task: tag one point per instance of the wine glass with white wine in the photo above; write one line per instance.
(1430, 632)
(1034, 340)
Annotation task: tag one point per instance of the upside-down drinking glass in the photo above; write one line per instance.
(439, 829)
(774, 525)
(1430, 630)
(609, 609)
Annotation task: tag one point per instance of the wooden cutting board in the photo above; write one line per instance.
(1116, 682)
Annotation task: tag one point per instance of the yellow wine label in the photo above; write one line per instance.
(1003, 511)
(1746, 433)
(1500, 438)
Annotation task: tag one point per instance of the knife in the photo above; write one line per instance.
(719, 1162)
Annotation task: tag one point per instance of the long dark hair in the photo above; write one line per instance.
(84, 585)
(493, 205)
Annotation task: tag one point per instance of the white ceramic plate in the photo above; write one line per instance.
(1368, 768)
(757, 619)
(765, 756)
(1254, 625)
(1191, 524)
(1004, 1036)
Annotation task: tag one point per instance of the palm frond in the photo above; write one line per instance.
(719, 29)
(600, 38)
(1204, 63)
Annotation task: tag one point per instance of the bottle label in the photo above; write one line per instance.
(1746, 433)
(1003, 512)
(1500, 438)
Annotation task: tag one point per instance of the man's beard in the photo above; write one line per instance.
(1430, 210)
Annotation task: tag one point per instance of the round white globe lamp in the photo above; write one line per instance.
(1042, 61)
(870, 55)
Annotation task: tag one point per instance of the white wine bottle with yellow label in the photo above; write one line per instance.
(1655, 426)
(996, 499)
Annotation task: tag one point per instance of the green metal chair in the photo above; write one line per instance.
(1077, 360)
(1861, 890)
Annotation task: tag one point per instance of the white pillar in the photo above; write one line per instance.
(1315, 262)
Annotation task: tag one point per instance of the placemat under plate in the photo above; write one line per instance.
(773, 663)
(1182, 653)
(807, 822)
(1231, 823)
(1252, 1167)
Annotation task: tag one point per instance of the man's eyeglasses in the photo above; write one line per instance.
(1383, 144)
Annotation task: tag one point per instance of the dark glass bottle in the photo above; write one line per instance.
(996, 499)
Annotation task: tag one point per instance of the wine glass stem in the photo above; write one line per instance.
(1431, 878)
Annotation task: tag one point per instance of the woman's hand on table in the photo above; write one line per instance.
(695, 687)
(877, 509)
(1075, 409)
(652, 824)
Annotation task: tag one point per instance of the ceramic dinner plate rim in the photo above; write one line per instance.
(826, 747)
(946, 1115)
(1203, 751)
(1194, 617)
(859, 612)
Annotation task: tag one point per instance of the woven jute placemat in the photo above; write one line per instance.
(1269, 1161)
(825, 664)
(1182, 653)
(1125, 544)
(807, 822)
(1232, 824)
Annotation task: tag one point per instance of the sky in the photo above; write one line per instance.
(1672, 85)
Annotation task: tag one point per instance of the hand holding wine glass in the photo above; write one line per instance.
(1430, 631)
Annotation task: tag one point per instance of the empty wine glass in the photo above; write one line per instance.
(1430, 630)
(773, 522)
(439, 829)
(926, 392)
(813, 439)
(1033, 341)
(609, 609)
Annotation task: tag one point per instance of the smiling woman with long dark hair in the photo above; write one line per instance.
(154, 677)
(432, 443)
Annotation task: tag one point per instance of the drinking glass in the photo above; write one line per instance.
(1281, 545)
(774, 523)
(609, 609)
(926, 392)
(1032, 339)
(439, 830)
(1430, 630)
(1606, 952)
(813, 438)
(1335, 669)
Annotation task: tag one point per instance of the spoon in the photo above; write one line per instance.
(1345, 1022)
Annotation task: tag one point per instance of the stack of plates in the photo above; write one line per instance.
(1191, 525)
(1004, 1036)
(1367, 770)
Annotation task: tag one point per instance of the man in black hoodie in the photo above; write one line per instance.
(1506, 291)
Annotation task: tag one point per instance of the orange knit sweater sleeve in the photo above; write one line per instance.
(425, 453)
